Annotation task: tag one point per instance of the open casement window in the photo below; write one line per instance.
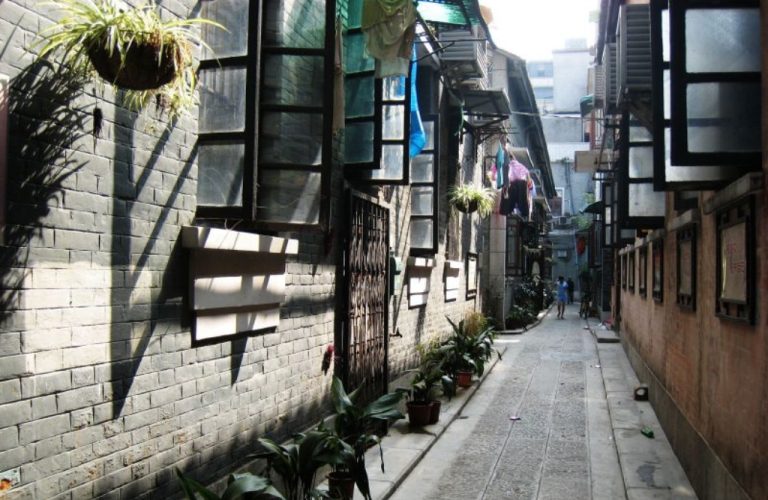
(640, 206)
(424, 189)
(624, 271)
(631, 271)
(710, 170)
(377, 114)
(715, 69)
(686, 267)
(735, 294)
(657, 269)
(271, 167)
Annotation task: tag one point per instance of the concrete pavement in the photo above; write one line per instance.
(555, 419)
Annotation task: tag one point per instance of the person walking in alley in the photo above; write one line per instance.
(562, 296)
(570, 290)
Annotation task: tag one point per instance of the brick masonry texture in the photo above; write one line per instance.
(102, 392)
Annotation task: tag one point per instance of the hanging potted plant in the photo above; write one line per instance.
(469, 198)
(129, 47)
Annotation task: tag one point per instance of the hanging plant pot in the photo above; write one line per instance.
(419, 412)
(341, 485)
(464, 378)
(146, 66)
(466, 208)
(434, 416)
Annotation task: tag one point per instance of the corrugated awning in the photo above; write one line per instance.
(586, 104)
(487, 104)
(594, 208)
(454, 13)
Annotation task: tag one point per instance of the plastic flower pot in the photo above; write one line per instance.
(464, 378)
(419, 412)
(341, 485)
(434, 415)
(146, 65)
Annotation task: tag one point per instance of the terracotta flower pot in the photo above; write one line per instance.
(434, 416)
(463, 378)
(144, 68)
(419, 412)
(341, 485)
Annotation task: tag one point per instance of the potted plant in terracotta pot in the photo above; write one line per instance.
(129, 47)
(469, 198)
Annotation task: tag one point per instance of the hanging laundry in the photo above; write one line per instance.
(517, 171)
(500, 180)
(390, 28)
(418, 137)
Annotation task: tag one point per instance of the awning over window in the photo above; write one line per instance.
(586, 104)
(594, 208)
(486, 105)
(454, 13)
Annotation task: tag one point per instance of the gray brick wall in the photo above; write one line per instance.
(102, 392)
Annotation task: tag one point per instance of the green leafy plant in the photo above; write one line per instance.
(463, 351)
(239, 486)
(355, 425)
(519, 317)
(298, 462)
(468, 198)
(130, 47)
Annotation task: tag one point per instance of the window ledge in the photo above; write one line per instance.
(207, 238)
(421, 262)
(743, 186)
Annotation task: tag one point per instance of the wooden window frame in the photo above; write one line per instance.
(642, 278)
(435, 185)
(631, 271)
(686, 235)
(657, 264)
(742, 212)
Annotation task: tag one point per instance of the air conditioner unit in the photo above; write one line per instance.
(465, 55)
(611, 78)
(634, 58)
(599, 85)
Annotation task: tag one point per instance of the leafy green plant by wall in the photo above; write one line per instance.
(129, 47)
(469, 198)
(239, 486)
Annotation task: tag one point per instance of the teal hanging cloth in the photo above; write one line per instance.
(418, 137)
(501, 174)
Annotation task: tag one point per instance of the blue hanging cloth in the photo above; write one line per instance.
(418, 137)
(501, 165)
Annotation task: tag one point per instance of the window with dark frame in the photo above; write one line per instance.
(270, 167)
(471, 275)
(735, 294)
(514, 247)
(624, 271)
(715, 82)
(686, 267)
(657, 269)
(631, 271)
(642, 278)
(424, 191)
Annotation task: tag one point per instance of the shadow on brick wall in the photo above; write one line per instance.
(43, 126)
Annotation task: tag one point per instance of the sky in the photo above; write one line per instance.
(532, 29)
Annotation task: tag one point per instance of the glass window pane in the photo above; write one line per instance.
(358, 142)
(638, 133)
(295, 23)
(394, 123)
(722, 40)
(641, 162)
(232, 41)
(421, 233)
(429, 132)
(222, 100)
(356, 59)
(355, 13)
(359, 97)
(723, 117)
(289, 196)
(607, 213)
(645, 202)
(667, 95)
(220, 174)
(608, 235)
(393, 88)
(422, 168)
(665, 34)
(422, 199)
(292, 80)
(391, 165)
(295, 138)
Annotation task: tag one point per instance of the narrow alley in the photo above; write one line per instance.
(573, 398)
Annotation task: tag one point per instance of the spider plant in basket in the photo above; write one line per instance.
(469, 198)
(129, 47)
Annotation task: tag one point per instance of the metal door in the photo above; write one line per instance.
(366, 259)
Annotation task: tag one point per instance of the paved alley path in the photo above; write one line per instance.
(562, 446)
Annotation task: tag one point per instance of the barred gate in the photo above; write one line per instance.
(366, 258)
